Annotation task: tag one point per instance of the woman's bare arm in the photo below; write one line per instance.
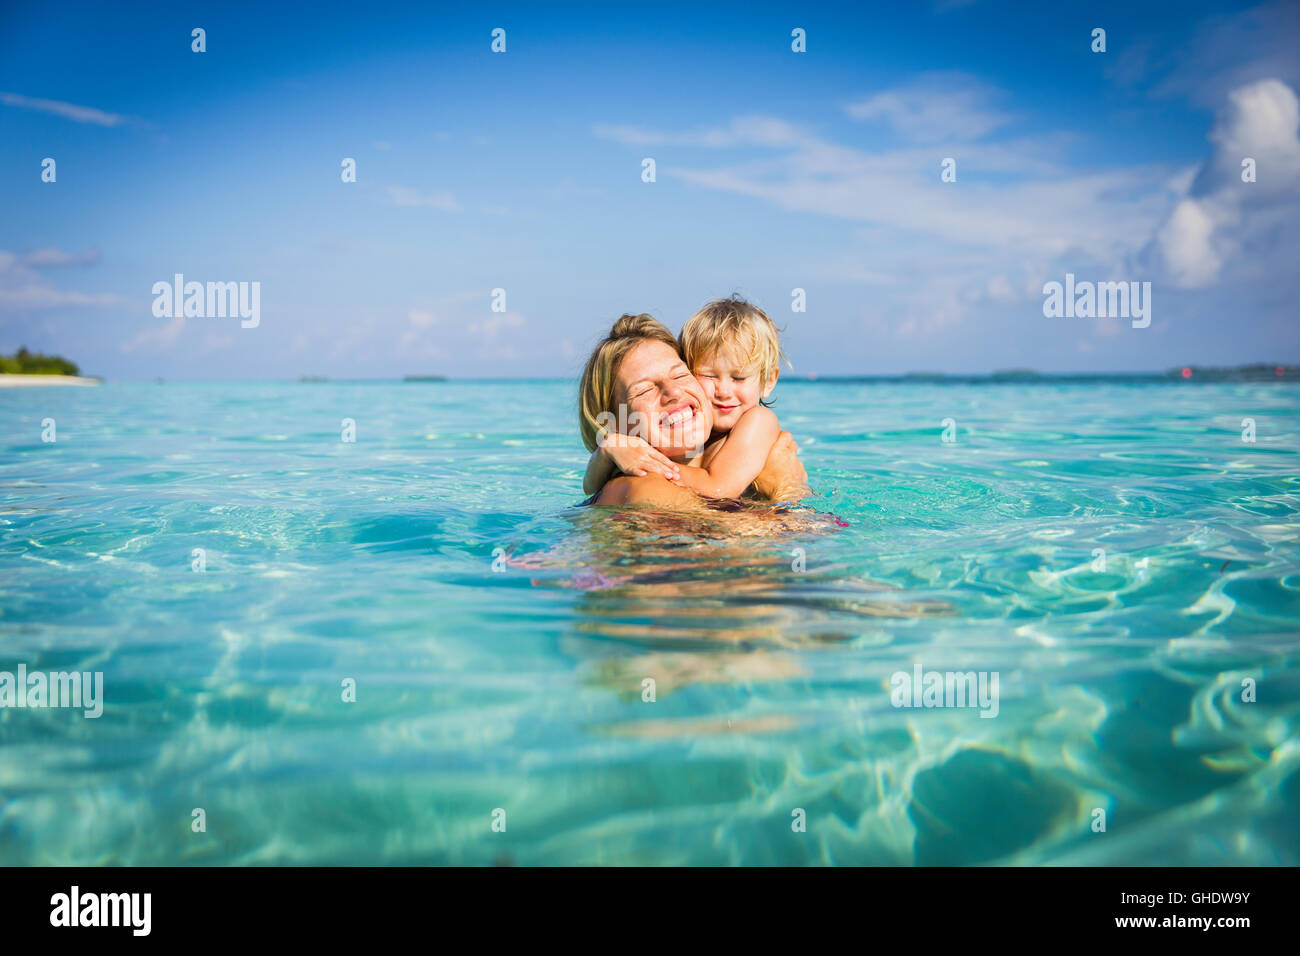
(783, 477)
(599, 469)
(630, 456)
(649, 490)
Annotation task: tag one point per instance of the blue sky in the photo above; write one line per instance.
(775, 170)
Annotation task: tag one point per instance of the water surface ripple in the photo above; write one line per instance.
(771, 640)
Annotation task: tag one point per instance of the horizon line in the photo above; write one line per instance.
(1258, 372)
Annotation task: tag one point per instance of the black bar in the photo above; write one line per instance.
(329, 906)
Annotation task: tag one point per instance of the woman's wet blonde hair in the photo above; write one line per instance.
(737, 323)
(596, 388)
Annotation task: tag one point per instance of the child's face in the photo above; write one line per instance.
(731, 385)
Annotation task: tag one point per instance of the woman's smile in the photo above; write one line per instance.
(678, 415)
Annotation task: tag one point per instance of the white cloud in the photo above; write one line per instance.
(937, 251)
(1261, 121)
(42, 258)
(78, 114)
(156, 339)
(1220, 216)
(32, 296)
(901, 189)
(488, 331)
(1185, 242)
(936, 107)
(1229, 51)
(216, 343)
(988, 242)
(999, 289)
(411, 198)
(419, 321)
(24, 289)
(742, 131)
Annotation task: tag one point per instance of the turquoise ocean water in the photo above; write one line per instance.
(500, 638)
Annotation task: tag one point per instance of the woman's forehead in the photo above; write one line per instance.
(648, 360)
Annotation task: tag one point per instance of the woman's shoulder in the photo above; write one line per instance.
(647, 489)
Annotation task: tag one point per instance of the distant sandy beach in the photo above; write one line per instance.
(19, 381)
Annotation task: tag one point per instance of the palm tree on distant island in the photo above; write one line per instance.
(24, 362)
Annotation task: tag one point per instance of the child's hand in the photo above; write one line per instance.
(633, 456)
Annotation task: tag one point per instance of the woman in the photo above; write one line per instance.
(636, 379)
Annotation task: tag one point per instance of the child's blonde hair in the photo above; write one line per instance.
(738, 323)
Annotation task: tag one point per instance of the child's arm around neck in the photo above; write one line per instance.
(740, 459)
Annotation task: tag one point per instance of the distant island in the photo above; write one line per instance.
(24, 362)
(34, 368)
(1257, 372)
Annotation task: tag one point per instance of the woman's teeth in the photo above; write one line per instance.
(676, 418)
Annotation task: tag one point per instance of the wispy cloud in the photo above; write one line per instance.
(31, 296)
(23, 289)
(1046, 206)
(417, 336)
(78, 114)
(489, 330)
(411, 198)
(937, 251)
(157, 338)
(45, 258)
(1212, 63)
(742, 131)
(936, 107)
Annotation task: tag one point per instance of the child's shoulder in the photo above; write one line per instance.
(760, 416)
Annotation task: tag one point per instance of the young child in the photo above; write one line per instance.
(734, 349)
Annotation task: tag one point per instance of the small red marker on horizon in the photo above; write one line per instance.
(1279, 370)
(1187, 373)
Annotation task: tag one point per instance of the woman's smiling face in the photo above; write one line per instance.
(665, 403)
